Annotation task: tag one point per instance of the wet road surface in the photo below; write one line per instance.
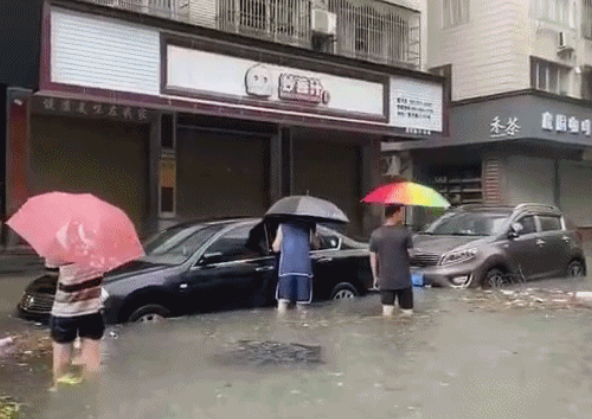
(465, 354)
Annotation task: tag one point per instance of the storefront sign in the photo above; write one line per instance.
(90, 109)
(305, 89)
(562, 124)
(193, 72)
(508, 127)
(416, 106)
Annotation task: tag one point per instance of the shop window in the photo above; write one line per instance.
(550, 223)
(459, 184)
(167, 202)
(455, 12)
(167, 187)
(549, 77)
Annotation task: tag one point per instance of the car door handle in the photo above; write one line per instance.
(325, 259)
(264, 269)
(566, 239)
(540, 242)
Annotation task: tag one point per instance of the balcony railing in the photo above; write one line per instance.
(371, 30)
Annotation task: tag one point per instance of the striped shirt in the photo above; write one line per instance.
(78, 292)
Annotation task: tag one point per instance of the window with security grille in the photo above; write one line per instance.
(549, 77)
(587, 19)
(372, 33)
(562, 12)
(455, 12)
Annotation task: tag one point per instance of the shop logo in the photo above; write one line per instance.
(499, 129)
(304, 89)
(258, 81)
(292, 87)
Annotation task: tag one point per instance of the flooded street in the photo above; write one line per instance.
(465, 354)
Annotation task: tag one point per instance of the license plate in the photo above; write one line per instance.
(417, 280)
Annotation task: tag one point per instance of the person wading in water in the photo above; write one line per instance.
(389, 259)
(293, 242)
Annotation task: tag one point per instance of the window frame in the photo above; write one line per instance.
(558, 217)
(220, 236)
(586, 22)
(552, 70)
(537, 226)
(455, 13)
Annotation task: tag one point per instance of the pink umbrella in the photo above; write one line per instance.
(78, 228)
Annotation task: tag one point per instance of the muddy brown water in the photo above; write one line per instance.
(457, 358)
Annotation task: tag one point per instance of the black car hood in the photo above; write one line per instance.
(443, 244)
(45, 284)
(134, 268)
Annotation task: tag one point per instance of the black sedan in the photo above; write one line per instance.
(198, 267)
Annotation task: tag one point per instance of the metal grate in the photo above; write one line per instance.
(377, 32)
(173, 9)
(284, 21)
(42, 303)
(422, 260)
(371, 30)
(587, 19)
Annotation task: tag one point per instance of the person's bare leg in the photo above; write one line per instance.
(62, 356)
(388, 311)
(301, 308)
(282, 307)
(407, 312)
(91, 357)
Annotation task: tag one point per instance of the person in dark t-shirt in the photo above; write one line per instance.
(389, 259)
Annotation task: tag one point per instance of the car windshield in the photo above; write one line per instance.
(177, 244)
(467, 224)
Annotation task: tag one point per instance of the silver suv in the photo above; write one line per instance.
(475, 245)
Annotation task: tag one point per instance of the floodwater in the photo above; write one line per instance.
(464, 354)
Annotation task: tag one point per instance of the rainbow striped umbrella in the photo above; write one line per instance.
(407, 193)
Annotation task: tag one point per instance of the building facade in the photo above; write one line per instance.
(519, 76)
(177, 110)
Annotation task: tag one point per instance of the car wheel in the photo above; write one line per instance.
(576, 269)
(152, 313)
(494, 278)
(344, 291)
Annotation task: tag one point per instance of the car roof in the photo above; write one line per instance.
(224, 221)
(509, 209)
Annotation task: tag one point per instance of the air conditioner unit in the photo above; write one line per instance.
(565, 41)
(321, 4)
(323, 22)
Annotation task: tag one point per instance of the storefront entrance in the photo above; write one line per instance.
(106, 158)
(221, 174)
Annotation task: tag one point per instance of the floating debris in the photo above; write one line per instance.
(9, 409)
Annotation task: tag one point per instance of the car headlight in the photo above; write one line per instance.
(104, 294)
(459, 256)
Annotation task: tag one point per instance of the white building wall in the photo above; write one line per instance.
(491, 53)
(487, 53)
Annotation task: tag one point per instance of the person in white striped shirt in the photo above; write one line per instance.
(76, 312)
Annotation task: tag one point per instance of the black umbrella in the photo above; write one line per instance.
(308, 208)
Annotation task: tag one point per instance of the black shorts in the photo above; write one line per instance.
(404, 296)
(66, 329)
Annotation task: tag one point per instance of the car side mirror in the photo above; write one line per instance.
(210, 258)
(515, 231)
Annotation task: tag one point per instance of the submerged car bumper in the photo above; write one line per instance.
(457, 276)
